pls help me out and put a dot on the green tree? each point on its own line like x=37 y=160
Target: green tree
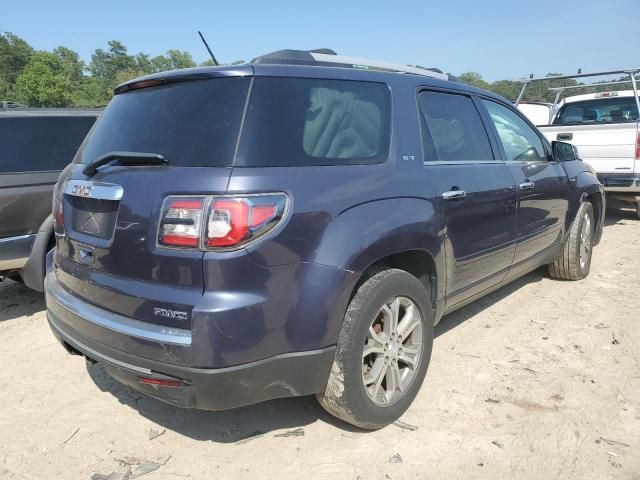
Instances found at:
x=72 y=66
x=43 y=83
x=14 y=57
x=507 y=88
x=105 y=64
x=473 y=78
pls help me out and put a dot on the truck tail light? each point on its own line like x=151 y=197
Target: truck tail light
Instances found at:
x=181 y=222
x=638 y=147
x=231 y=221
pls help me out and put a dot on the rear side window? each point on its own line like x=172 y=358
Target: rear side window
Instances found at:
x=38 y=144
x=194 y=123
x=300 y=121
x=607 y=110
x=452 y=128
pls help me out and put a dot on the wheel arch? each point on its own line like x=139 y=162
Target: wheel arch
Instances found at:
x=395 y=233
x=34 y=270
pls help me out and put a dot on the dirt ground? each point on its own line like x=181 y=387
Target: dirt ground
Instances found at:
x=539 y=380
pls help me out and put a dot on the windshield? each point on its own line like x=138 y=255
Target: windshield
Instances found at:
x=598 y=110
x=193 y=123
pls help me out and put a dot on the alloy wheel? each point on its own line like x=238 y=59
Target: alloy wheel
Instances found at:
x=392 y=351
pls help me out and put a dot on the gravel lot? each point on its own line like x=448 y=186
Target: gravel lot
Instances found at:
x=539 y=380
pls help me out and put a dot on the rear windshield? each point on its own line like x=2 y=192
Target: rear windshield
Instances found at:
x=192 y=123
x=289 y=122
x=47 y=143
x=606 y=110
x=300 y=121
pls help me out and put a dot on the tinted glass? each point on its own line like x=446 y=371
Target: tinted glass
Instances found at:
x=300 y=121
x=32 y=144
x=192 y=123
x=607 y=110
x=452 y=128
x=519 y=141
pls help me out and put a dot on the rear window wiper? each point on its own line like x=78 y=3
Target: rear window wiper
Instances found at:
x=125 y=158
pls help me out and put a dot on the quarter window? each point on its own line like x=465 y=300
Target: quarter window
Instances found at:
x=296 y=122
x=519 y=141
x=452 y=128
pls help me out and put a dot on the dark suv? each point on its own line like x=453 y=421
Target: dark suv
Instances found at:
x=229 y=235
x=35 y=145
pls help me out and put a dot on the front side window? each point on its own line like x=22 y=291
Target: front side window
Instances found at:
x=520 y=142
x=452 y=129
x=306 y=121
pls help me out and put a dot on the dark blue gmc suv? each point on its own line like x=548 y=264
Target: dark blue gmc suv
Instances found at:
x=297 y=226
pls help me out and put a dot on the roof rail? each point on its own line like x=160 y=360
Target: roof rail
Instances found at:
x=587 y=85
x=328 y=58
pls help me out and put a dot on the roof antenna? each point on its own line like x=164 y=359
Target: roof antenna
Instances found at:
x=213 y=57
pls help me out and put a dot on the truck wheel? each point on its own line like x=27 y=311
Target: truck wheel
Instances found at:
x=383 y=351
x=575 y=261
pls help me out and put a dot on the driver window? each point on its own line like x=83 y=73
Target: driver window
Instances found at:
x=520 y=142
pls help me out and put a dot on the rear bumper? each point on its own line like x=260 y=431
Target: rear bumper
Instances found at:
x=620 y=182
x=285 y=375
x=15 y=251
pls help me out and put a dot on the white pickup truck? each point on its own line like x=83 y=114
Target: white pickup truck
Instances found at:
x=604 y=127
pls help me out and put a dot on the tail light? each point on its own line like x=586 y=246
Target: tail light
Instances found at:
x=231 y=221
x=638 y=147
x=181 y=222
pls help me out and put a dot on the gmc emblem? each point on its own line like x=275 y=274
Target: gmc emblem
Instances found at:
x=81 y=190
x=173 y=314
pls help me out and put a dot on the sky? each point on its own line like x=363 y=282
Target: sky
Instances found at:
x=499 y=39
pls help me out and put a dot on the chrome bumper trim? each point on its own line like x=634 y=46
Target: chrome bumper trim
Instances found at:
x=113 y=321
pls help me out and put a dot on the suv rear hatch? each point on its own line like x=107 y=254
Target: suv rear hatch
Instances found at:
x=160 y=136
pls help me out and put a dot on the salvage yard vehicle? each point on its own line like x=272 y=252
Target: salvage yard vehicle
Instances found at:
x=298 y=225
x=605 y=126
x=37 y=144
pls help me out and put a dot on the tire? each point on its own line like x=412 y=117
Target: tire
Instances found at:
x=370 y=317
x=575 y=261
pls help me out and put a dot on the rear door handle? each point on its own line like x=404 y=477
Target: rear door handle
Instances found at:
x=527 y=186
x=565 y=136
x=454 y=195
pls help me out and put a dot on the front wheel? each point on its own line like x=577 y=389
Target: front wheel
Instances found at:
x=575 y=261
x=383 y=351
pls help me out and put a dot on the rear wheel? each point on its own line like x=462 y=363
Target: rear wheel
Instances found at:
x=383 y=351
x=575 y=261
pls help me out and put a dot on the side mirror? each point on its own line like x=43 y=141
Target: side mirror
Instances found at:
x=564 y=152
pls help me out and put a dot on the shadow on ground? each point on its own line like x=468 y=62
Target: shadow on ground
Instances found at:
x=16 y=301
x=467 y=312
x=620 y=215
x=239 y=425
